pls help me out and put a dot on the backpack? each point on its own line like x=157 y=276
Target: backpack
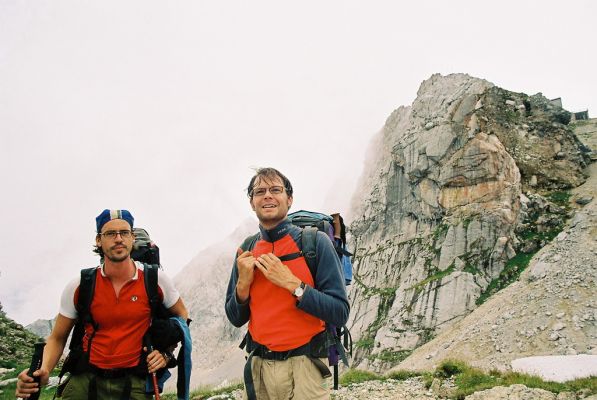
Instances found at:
x=144 y=249
x=334 y=227
x=340 y=339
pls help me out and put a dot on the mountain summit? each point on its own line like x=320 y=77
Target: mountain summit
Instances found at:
x=463 y=188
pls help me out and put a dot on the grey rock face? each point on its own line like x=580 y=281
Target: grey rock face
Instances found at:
x=550 y=310
x=435 y=221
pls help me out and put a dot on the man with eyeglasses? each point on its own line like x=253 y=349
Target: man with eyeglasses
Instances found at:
x=285 y=306
x=121 y=316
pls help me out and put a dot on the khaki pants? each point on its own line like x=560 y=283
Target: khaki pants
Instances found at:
x=77 y=388
x=296 y=378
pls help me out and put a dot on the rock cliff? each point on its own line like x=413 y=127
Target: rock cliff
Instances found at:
x=550 y=310
x=440 y=220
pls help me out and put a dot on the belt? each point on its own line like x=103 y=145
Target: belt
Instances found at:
x=113 y=373
x=267 y=354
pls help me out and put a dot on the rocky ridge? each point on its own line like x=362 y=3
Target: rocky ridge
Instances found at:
x=442 y=213
x=16 y=348
x=41 y=327
x=16 y=343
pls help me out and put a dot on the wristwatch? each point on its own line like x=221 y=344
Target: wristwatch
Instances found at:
x=299 y=291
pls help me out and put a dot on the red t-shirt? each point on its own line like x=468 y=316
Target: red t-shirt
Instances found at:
x=121 y=323
x=275 y=320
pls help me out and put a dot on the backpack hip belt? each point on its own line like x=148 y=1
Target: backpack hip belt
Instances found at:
x=315 y=347
x=117 y=372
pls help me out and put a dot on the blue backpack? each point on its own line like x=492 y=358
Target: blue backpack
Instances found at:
x=334 y=227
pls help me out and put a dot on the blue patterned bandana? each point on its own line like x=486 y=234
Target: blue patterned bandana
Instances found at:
x=109 y=215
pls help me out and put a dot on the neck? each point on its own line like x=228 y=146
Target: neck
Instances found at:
x=120 y=270
x=271 y=223
x=276 y=232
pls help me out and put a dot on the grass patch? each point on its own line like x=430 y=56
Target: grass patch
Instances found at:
x=472 y=380
x=393 y=357
x=509 y=274
x=8 y=364
x=358 y=376
x=369 y=291
x=541 y=237
x=561 y=198
x=365 y=343
x=426 y=334
x=471 y=269
x=440 y=231
x=509 y=115
x=449 y=368
x=403 y=375
x=437 y=276
x=469 y=380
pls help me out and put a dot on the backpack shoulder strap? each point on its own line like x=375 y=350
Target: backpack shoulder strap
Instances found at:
x=249 y=242
x=150 y=274
x=86 y=290
x=83 y=306
x=309 y=248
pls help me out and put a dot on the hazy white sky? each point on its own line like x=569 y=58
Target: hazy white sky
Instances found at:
x=163 y=108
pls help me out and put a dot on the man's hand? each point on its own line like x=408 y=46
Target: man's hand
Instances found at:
x=155 y=361
x=25 y=384
x=245 y=262
x=276 y=272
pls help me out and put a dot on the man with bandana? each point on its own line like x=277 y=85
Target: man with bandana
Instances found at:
x=117 y=365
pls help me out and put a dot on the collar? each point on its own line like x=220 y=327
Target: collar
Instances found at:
x=276 y=233
x=135 y=277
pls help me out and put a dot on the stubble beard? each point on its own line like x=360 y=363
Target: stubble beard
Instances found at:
x=116 y=259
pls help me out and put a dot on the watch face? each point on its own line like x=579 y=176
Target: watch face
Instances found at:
x=298 y=292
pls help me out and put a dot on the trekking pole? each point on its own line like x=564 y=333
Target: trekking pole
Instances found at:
x=154 y=378
x=156 y=389
x=36 y=359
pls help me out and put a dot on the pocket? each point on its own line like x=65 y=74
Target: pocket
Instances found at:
x=308 y=382
x=61 y=389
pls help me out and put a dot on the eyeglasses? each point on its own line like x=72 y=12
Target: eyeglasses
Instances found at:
x=113 y=234
x=273 y=190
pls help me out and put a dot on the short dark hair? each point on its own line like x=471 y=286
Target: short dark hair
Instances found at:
x=269 y=174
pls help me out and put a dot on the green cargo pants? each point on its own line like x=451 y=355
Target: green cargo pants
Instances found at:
x=77 y=388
